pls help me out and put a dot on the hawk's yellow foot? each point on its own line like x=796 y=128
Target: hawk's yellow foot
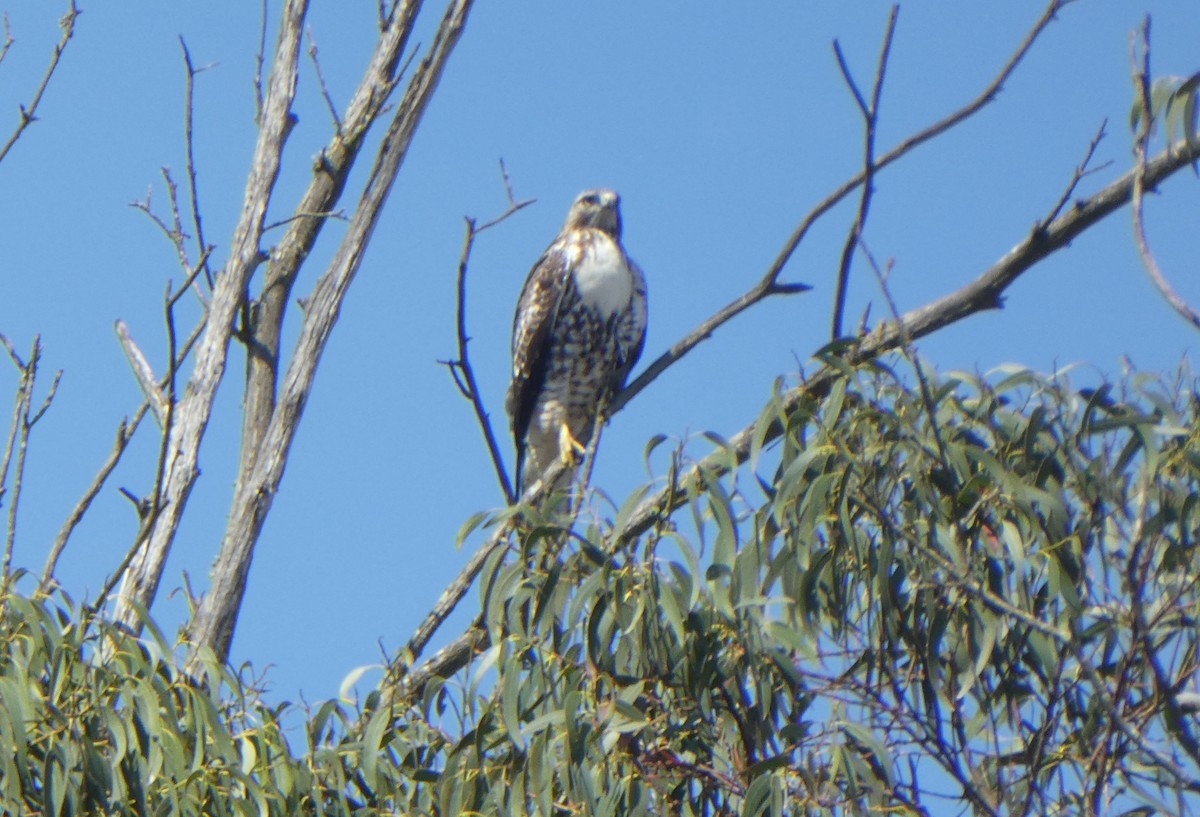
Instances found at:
x=570 y=450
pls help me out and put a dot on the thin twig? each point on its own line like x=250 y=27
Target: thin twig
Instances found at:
x=15 y=445
x=125 y=433
x=870 y=115
x=337 y=215
x=8 y=39
x=312 y=53
x=461 y=369
x=259 y=59
x=188 y=118
x=29 y=112
x=1141 y=79
x=1082 y=170
x=24 y=419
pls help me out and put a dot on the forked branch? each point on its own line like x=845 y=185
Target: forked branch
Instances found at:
x=460 y=367
x=29 y=111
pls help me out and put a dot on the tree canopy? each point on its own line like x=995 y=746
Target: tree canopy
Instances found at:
x=897 y=589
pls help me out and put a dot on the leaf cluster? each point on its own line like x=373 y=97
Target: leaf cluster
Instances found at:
x=974 y=590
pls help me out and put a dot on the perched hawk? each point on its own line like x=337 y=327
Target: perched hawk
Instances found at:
x=579 y=328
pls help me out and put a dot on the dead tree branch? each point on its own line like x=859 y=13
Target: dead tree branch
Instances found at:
x=870 y=115
x=125 y=432
x=215 y=619
x=769 y=284
x=29 y=112
x=23 y=421
x=140 y=582
x=460 y=367
x=202 y=246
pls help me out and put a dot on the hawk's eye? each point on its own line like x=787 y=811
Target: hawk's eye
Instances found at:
x=591 y=199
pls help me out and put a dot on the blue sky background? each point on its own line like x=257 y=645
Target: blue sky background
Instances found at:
x=721 y=125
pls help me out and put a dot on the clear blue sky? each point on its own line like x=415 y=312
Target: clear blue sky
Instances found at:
x=720 y=124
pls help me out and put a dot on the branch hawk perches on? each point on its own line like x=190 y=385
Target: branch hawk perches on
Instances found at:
x=579 y=328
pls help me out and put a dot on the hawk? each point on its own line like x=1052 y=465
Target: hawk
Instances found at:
x=579 y=328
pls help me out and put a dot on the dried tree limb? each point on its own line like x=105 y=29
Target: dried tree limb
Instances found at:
x=193 y=192
x=125 y=432
x=29 y=112
x=24 y=419
x=870 y=115
x=769 y=285
x=142 y=372
x=214 y=622
x=263 y=326
x=140 y=582
x=460 y=368
x=984 y=293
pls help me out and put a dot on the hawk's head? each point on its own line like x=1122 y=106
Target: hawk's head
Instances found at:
x=598 y=208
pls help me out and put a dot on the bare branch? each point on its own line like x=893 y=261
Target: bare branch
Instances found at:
x=1141 y=81
x=259 y=59
x=29 y=112
x=312 y=53
x=189 y=109
x=142 y=372
x=24 y=419
x=769 y=284
x=125 y=433
x=461 y=369
x=983 y=293
x=216 y=617
x=263 y=320
x=8 y=39
x=1082 y=170
x=140 y=583
x=870 y=114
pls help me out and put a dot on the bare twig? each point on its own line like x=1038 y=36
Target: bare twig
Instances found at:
x=337 y=215
x=312 y=53
x=1141 y=81
x=175 y=234
x=259 y=59
x=189 y=110
x=1082 y=170
x=8 y=39
x=460 y=368
x=24 y=419
x=29 y=112
x=769 y=284
x=870 y=115
x=125 y=433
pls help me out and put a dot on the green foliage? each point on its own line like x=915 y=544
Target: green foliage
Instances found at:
x=1172 y=103
x=981 y=590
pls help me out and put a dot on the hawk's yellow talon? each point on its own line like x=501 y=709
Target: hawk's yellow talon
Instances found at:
x=570 y=450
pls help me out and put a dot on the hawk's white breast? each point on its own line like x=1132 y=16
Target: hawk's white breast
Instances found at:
x=602 y=277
